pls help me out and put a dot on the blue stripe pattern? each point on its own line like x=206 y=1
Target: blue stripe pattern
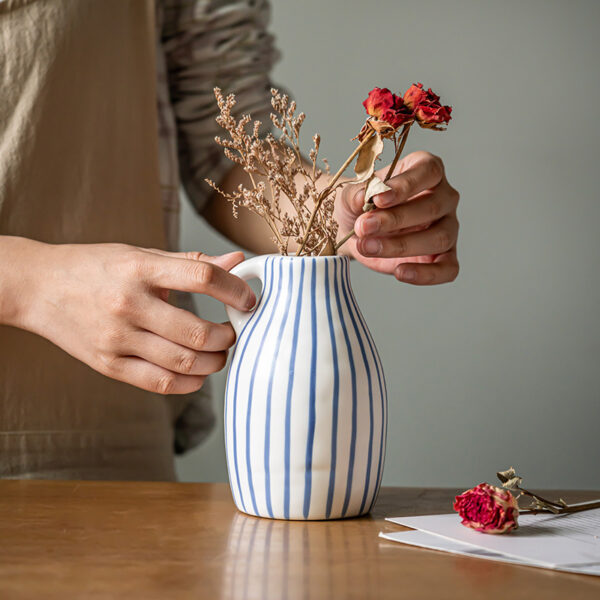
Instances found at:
x=256 y=319
x=313 y=391
x=350 y=476
x=288 y=398
x=284 y=312
x=382 y=394
x=307 y=383
x=350 y=305
x=336 y=392
x=252 y=381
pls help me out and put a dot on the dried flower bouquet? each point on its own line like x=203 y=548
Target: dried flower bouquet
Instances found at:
x=277 y=170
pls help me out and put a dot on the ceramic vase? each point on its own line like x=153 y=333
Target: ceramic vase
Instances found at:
x=305 y=401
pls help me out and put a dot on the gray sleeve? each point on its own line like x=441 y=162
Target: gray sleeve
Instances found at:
x=210 y=43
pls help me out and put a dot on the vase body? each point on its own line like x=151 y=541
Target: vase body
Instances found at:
x=305 y=401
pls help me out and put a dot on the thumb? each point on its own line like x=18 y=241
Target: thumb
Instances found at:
x=353 y=198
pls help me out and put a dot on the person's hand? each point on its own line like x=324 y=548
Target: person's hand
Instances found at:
x=106 y=304
x=413 y=231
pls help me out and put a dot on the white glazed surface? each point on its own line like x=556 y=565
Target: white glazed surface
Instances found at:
x=305 y=403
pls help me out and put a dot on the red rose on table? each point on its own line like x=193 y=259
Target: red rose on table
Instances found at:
x=488 y=509
x=427 y=107
x=388 y=107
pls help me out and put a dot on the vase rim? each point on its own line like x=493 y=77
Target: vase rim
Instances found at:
x=330 y=257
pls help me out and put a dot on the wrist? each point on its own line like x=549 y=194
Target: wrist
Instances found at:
x=20 y=274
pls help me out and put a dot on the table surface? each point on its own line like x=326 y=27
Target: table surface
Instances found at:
x=182 y=540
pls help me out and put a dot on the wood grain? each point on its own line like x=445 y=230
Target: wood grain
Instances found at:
x=176 y=540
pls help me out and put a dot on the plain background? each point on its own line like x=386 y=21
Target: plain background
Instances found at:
x=501 y=367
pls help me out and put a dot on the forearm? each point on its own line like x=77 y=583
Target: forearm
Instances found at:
x=249 y=230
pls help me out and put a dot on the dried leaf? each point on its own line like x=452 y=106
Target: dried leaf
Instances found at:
x=374 y=187
x=365 y=162
x=328 y=249
x=512 y=484
x=509 y=478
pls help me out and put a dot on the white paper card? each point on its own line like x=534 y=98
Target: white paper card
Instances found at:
x=569 y=541
x=435 y=542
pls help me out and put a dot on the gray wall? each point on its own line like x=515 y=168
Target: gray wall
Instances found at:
x=501 y=367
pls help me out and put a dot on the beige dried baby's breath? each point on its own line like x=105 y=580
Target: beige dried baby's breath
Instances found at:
x=277 y=162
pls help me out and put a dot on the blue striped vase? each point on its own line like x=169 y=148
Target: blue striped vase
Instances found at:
x=305 y=403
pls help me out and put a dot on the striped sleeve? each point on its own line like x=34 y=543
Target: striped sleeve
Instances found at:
x=210 y=43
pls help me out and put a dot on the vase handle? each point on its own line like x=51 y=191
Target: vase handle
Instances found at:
x=253 y=268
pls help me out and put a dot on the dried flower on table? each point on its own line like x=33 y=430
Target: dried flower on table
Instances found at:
x=488 y=509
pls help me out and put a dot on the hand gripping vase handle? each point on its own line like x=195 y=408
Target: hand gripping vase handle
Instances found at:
x=253 y=268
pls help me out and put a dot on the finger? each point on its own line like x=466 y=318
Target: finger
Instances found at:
x=153 y=378
x=423 y=175
x=427 y=208
x=444 y=269
x=437 y=239
x=171 y=356
x=353 y=198
x=200 y=276
x=225 y=261
x=184 y=328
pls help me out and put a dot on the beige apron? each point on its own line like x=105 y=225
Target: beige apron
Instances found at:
x=78 y=164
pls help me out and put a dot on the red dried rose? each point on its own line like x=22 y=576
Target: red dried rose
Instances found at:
x=488 y=509
x=414 y=95
x=427 y=107
x=388 y=107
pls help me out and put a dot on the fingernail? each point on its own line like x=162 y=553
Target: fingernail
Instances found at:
x=372 y=247
x=384 y=199
x=407 y=274
x=370 y=225
x=250 y=302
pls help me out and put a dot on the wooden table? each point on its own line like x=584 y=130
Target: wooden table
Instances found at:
x=176 y=540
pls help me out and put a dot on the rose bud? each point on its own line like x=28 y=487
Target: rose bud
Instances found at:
x=385 y=106
x=431 y=116
x=378 y=101
x=428 y=110
x=488 y=509
x=414 y=95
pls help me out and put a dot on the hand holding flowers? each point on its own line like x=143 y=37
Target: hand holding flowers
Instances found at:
x=411 y=226
x=413 y=231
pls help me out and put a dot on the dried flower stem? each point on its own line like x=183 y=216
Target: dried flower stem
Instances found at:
x=511 y=481
x=327 y=190
x=560 y=511
x=344 y=239
x=399 y=150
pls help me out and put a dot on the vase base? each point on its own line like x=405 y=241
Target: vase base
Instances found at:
x=317 y=517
